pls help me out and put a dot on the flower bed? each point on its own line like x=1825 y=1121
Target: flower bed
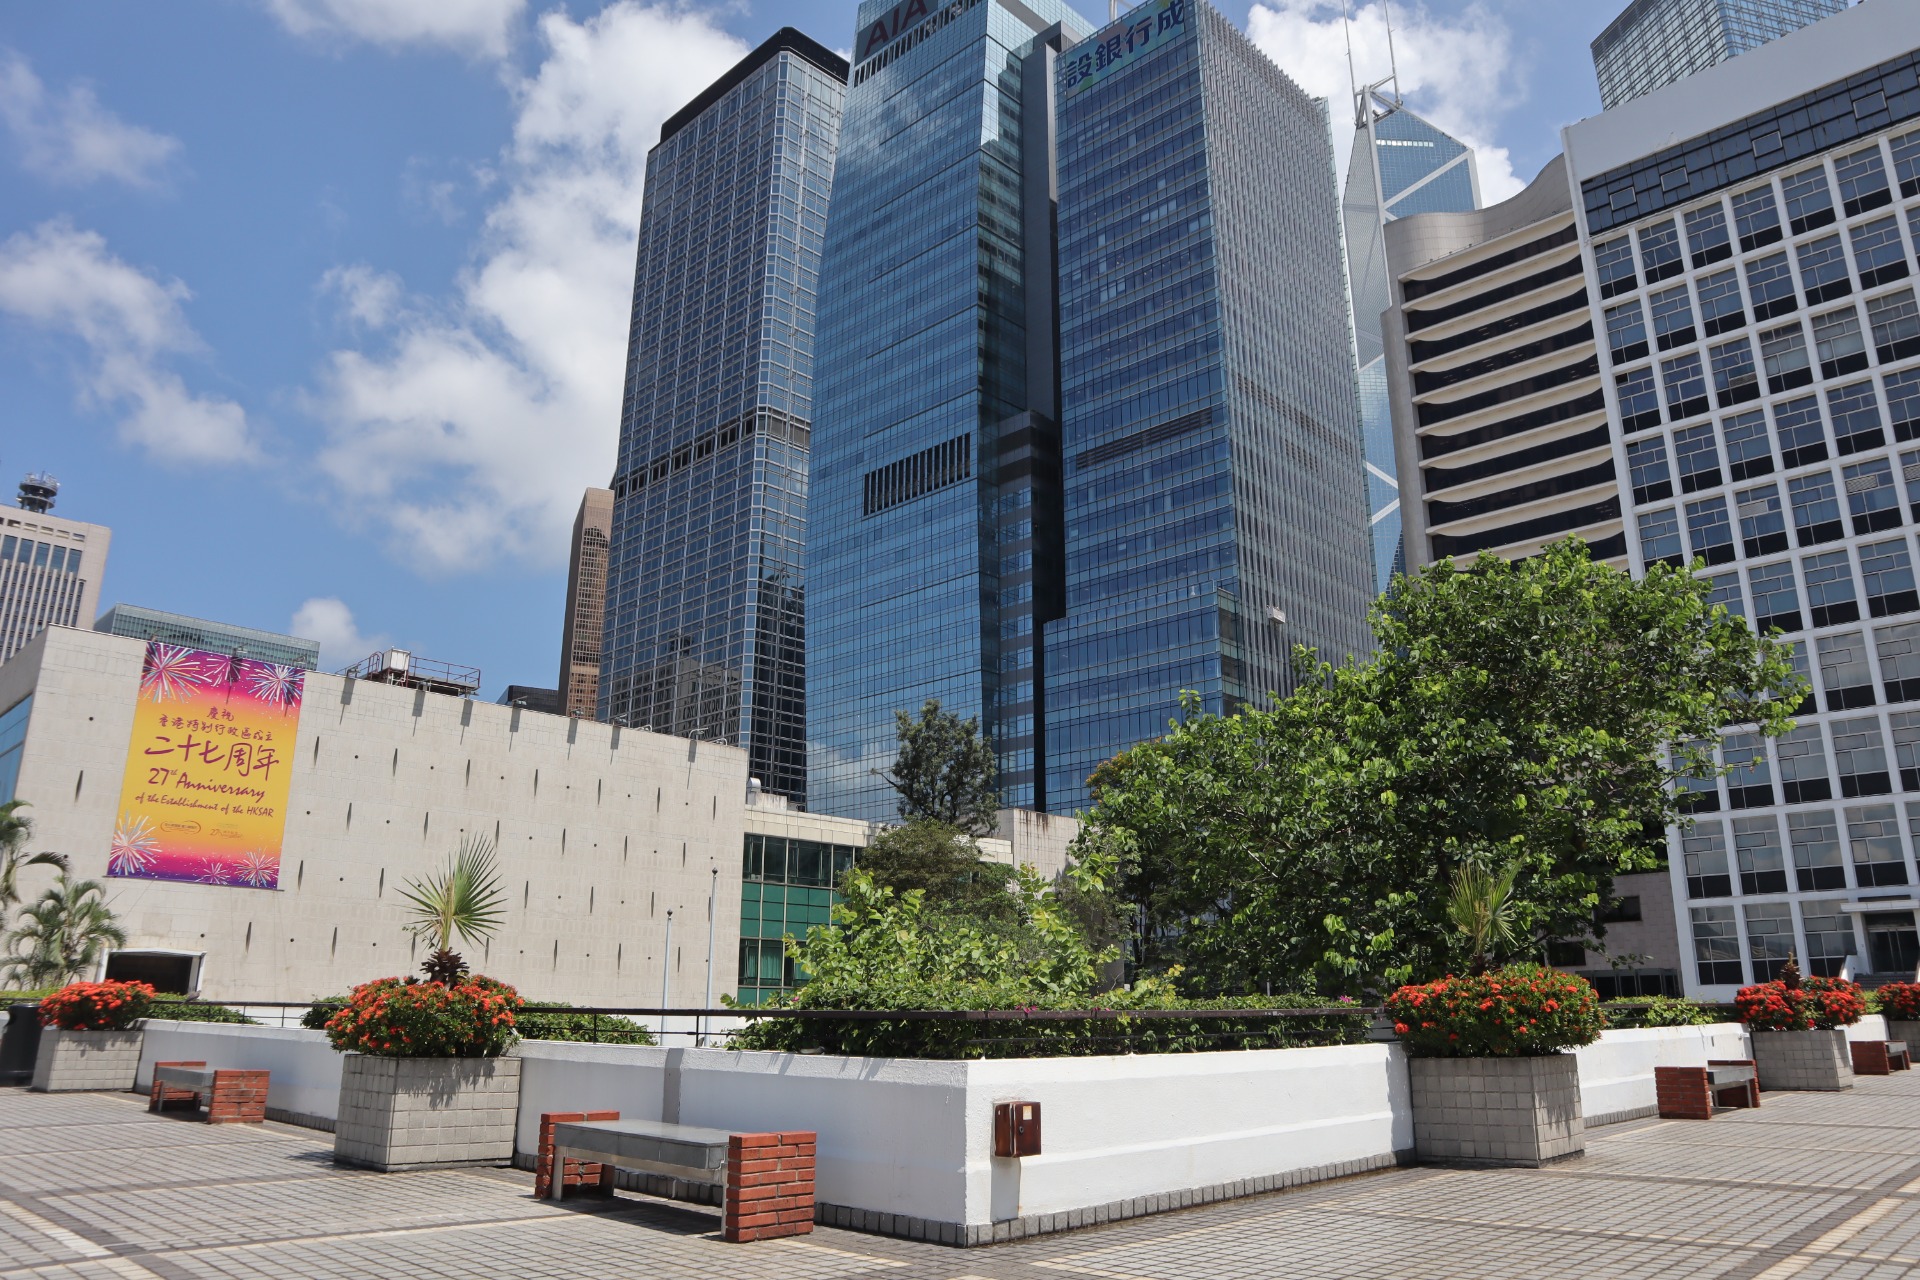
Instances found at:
x=1900 y=1001
x=404 y=1018
x=96 y=1006
x=1816 y=1004
x=1519 y=1011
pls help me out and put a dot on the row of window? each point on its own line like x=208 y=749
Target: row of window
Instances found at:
x=1873 y=504
x=1826 y=939
x=1821 y=851
x=39 y=555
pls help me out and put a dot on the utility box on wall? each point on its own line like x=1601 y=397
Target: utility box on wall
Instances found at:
x=1016 y=1129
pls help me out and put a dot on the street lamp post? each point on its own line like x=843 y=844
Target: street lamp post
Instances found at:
x=666 y=973
x=713 y=892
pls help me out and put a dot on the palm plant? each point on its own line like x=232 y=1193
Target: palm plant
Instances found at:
x=465 y=901
x=1481 y=907
x=60 y=937
x=15 y=830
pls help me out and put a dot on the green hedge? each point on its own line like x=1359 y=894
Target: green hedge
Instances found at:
x=533 y=1024
x=199 y=1011
x=1664 y=1011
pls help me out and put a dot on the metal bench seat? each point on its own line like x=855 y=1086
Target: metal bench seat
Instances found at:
x=1719 y=1078
x=194 y=1078
x=681 y=1151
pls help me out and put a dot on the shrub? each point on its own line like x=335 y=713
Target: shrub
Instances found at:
x=96 y=1006
x=1822 y=1003
x=1900 y=1000
x=405 y=1018
x=553 y=1021
x=315 y=1018
x=199 y=1011
x=1516 y=1012
x=1836 y=1002
x=1662 y=1011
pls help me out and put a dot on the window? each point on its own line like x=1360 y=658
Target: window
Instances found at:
x=1672 y=318
x=1757 y=218
x=1696 y=792
x=1707 y=239
x=1856 y=418
x=1809 y=201
x=1896 y=326
x=1735 y=380
x=1815 y=840
x=1770 y=284
x=1716 y=947
x=1816 y=509
x=1803 y=766
x=1860 y=756
x=1823 y=270
x=1863 y=181
x=1763 y=521
x=1904 y=728
x=13 y=738
x=1785 y=352
x=1699 y=458
x=1887 y=571
x=1830 y=594
x=1903 y=403
x=1639 y=401
x=1878 y=253
x=1776 y=600
x=1705 y=850
x=1626 y=332
x=1749 y=777
x=1838 y=343
x=1906 y=162
x=1899 y=649
x=1613 y=263
x=1749 y=452
x=1622 y=910
x=1910 y=477
x=1660 y=538
x=1726 y=593
x=1803 y=668
x=1873 y=838
x=1872 y=501
x=1686 y=386
x=1647 y=462
x=1709 y=531
x=1846 y=671
x=1769 y=937
x=1720 y=305
x=1829 y=931
x=1660 y=251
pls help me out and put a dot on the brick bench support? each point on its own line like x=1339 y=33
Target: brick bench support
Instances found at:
x=230 y=1097
x=769 y=1185
x=1878 y=1058
x=573 y=1173
x=1687 y=1093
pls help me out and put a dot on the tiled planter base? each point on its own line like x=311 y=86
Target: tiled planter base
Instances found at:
x=1803 y=1060
x=71 y=1061
x=426 y=1113
x=1906 y=1032
x=1517 y=1112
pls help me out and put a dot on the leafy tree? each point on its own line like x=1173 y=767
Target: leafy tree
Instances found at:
x=60 y=937
x=944 y=865
x=1533 y=712
x=465 y=900
x=946 y=771
x=15 y=830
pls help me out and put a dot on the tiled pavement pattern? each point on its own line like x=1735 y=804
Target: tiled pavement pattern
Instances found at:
x=1809 y=1187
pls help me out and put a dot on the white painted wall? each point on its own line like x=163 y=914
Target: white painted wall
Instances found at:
x=1616 y=1072
x=306 y=1070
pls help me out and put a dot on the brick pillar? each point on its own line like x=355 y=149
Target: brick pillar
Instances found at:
x=576 y=1173
x=1682 y=1093
x=1870 y=1058
x=1739 y=1095
x=237 y=1097
x=162 y=1094
x=769 y=1186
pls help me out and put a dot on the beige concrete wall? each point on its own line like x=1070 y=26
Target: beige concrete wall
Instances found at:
x=601 y=831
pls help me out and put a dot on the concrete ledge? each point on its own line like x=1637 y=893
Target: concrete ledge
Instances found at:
x=1621 y=1117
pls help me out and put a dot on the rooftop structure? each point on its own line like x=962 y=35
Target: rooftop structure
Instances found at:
x=138 y=623
x=402 y=667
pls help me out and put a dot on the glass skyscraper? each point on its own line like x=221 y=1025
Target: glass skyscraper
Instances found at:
x=1214 y=511
x=936 y=385
x=1401 y=165
x=1656 y=42
x=705 y=618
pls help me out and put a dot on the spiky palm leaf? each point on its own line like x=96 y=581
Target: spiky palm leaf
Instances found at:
x=15 y=830
x=1481 y=906
x=464 y=901
x=60 y=937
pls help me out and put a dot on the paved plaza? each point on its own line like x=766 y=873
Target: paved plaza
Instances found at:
x=1810 y=1186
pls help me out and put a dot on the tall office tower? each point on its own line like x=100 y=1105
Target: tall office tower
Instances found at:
x=706 y=615
x=1210 y=434
x=585 y=627
x=1400 y=165
x=936 y=393
x=50 y=567
x=1498 y=416
x=1653 y=43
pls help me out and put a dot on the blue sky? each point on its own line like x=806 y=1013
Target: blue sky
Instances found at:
x=321 y=304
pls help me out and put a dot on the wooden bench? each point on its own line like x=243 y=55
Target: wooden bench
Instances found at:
x=1880 y=1057
x=230 y=1097
x=1692 y=1093
x=768 y=1177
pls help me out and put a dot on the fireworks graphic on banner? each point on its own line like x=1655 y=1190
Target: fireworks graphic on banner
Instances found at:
x=173 y=673
x=134 y=847
x=258 y=870
x=215 y=873
x=273 y=683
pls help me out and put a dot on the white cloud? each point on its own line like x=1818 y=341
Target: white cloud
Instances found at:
x=1457 y=70
x=328 y=620
x=475 y=27
x=369 y=297
x=70 y=137
x=63 y=280
x=473 y=426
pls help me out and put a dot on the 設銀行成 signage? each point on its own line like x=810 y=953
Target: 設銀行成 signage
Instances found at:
x=1137 y=33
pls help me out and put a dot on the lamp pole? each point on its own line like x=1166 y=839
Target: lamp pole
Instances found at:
x=713 y=892
x=666 y=972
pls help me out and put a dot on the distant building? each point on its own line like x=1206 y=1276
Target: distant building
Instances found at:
x=137 y=623
x=526 y=696
x=1653 y=43
x=582 y=636
x=50 y=567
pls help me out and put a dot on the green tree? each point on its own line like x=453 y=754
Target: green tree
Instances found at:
x=464 y=901
x=945 y=771
x=16 y=828
x=1533 y=712
x=944 y=865
x=61 y=936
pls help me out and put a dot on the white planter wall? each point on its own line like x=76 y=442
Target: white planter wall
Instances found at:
x=305 y=1083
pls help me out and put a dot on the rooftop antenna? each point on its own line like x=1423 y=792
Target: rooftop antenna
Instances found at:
x=37 y=492
x=1370 y=105
x=1114 y=7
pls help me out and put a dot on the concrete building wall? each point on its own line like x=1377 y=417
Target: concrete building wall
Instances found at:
x=601 y=831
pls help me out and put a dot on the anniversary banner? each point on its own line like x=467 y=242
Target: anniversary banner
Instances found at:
x=205 y=793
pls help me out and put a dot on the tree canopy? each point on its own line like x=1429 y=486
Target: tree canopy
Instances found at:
x=1532 y=712
x=944 y=864
x=946 y=771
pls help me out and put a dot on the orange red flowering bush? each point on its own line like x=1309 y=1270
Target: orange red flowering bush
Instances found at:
x=1900 y=1001
x=1516 y=1012
x=96 y=1006
x=407 y=1018
x=1817 y=1003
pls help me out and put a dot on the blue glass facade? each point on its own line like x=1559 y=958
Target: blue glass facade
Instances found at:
x=1210 y=432
x=924 y=387
x=705 y=616
x=1653 y=43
